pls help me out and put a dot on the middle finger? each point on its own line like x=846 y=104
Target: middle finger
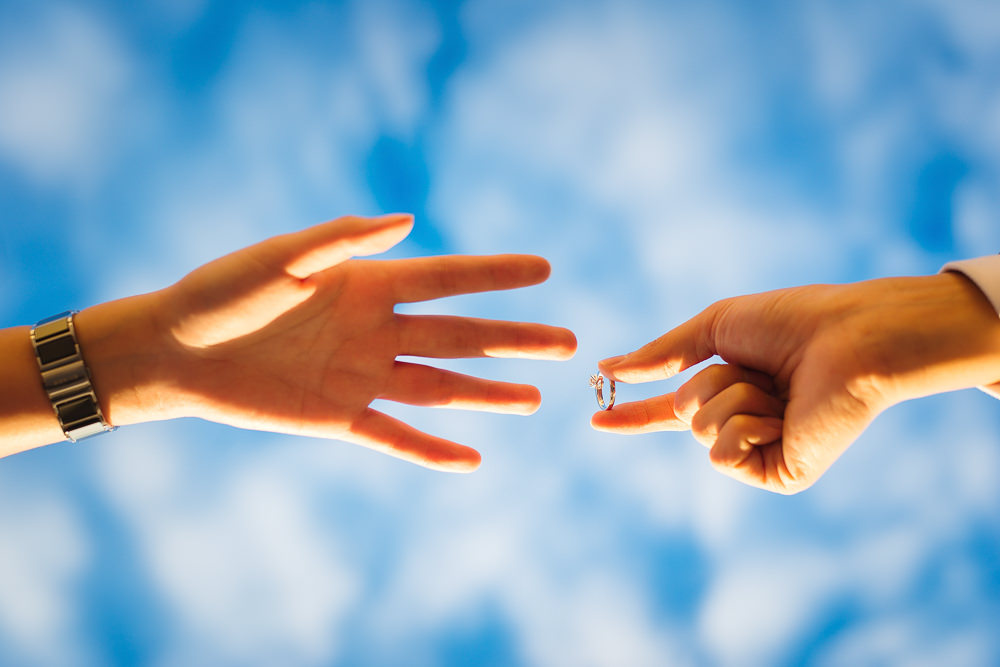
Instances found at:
x=448 y=337
x=711 y=381
x=416 y=384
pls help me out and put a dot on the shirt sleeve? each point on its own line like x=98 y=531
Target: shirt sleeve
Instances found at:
x=985 y=273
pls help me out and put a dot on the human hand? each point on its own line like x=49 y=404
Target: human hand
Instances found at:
x=292 y=336
x=807 y=369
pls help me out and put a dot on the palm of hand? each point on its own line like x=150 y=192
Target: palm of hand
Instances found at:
x=308 y=357
x=286 y=336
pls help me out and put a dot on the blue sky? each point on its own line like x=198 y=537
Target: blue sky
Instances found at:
x=662 y=156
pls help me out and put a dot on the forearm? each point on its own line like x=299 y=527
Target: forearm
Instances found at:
x=27 y=419
x=933 y=334
x=128 y=365
x=976 y=360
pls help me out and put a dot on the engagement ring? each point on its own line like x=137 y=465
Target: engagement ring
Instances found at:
x=597 y=382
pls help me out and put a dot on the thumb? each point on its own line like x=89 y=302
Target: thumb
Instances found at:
x=323 y=246
x=678 y=349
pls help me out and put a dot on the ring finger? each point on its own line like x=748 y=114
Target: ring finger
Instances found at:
x=416 y=384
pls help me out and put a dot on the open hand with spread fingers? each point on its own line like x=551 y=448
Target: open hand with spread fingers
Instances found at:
x=292 y=335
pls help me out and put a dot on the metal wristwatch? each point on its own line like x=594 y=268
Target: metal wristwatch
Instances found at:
x=65 y=377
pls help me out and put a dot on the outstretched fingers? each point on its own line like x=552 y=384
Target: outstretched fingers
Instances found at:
x=442 y=336
x=427 y=278
x=384 y=434
x=416 y=384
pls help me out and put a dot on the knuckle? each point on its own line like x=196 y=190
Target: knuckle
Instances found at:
x=685 y=401
x=747 y=394
x=718 y=315
x=718 y=457
x=702 y=440
x=741 y=424
x=717 y=371
x=758 y=379
x=703 y=428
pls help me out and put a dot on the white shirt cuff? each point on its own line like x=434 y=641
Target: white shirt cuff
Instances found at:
x=984 y=272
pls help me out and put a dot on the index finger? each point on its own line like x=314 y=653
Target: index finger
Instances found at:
x=679 y=349
x=426 y=278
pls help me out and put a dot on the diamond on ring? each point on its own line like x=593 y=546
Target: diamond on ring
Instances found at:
x=597 y=382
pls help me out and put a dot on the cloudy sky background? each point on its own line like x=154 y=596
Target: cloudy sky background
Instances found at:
x=662 y=156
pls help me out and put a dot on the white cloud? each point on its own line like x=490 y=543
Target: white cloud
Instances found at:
x=510 y=540
x=883 y=640
x=243 y=567
x=43 y=556
x=977 y=219
x=179 y=14
x=598 y=619
x=251 y=580
x=591 y=135
x=63 y=78
x=971 y=24
x=288 y=135
x=912 y=638
x=395 y=43
x=761 y=604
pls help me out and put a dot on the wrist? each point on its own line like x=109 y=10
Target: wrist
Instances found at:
x=984 y=272
x=132 y=365
x=935 y=334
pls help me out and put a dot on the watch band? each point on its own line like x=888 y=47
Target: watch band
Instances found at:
x=66 y=378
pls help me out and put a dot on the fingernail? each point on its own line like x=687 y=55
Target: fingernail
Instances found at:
x=391 y=217
x=611 y=362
